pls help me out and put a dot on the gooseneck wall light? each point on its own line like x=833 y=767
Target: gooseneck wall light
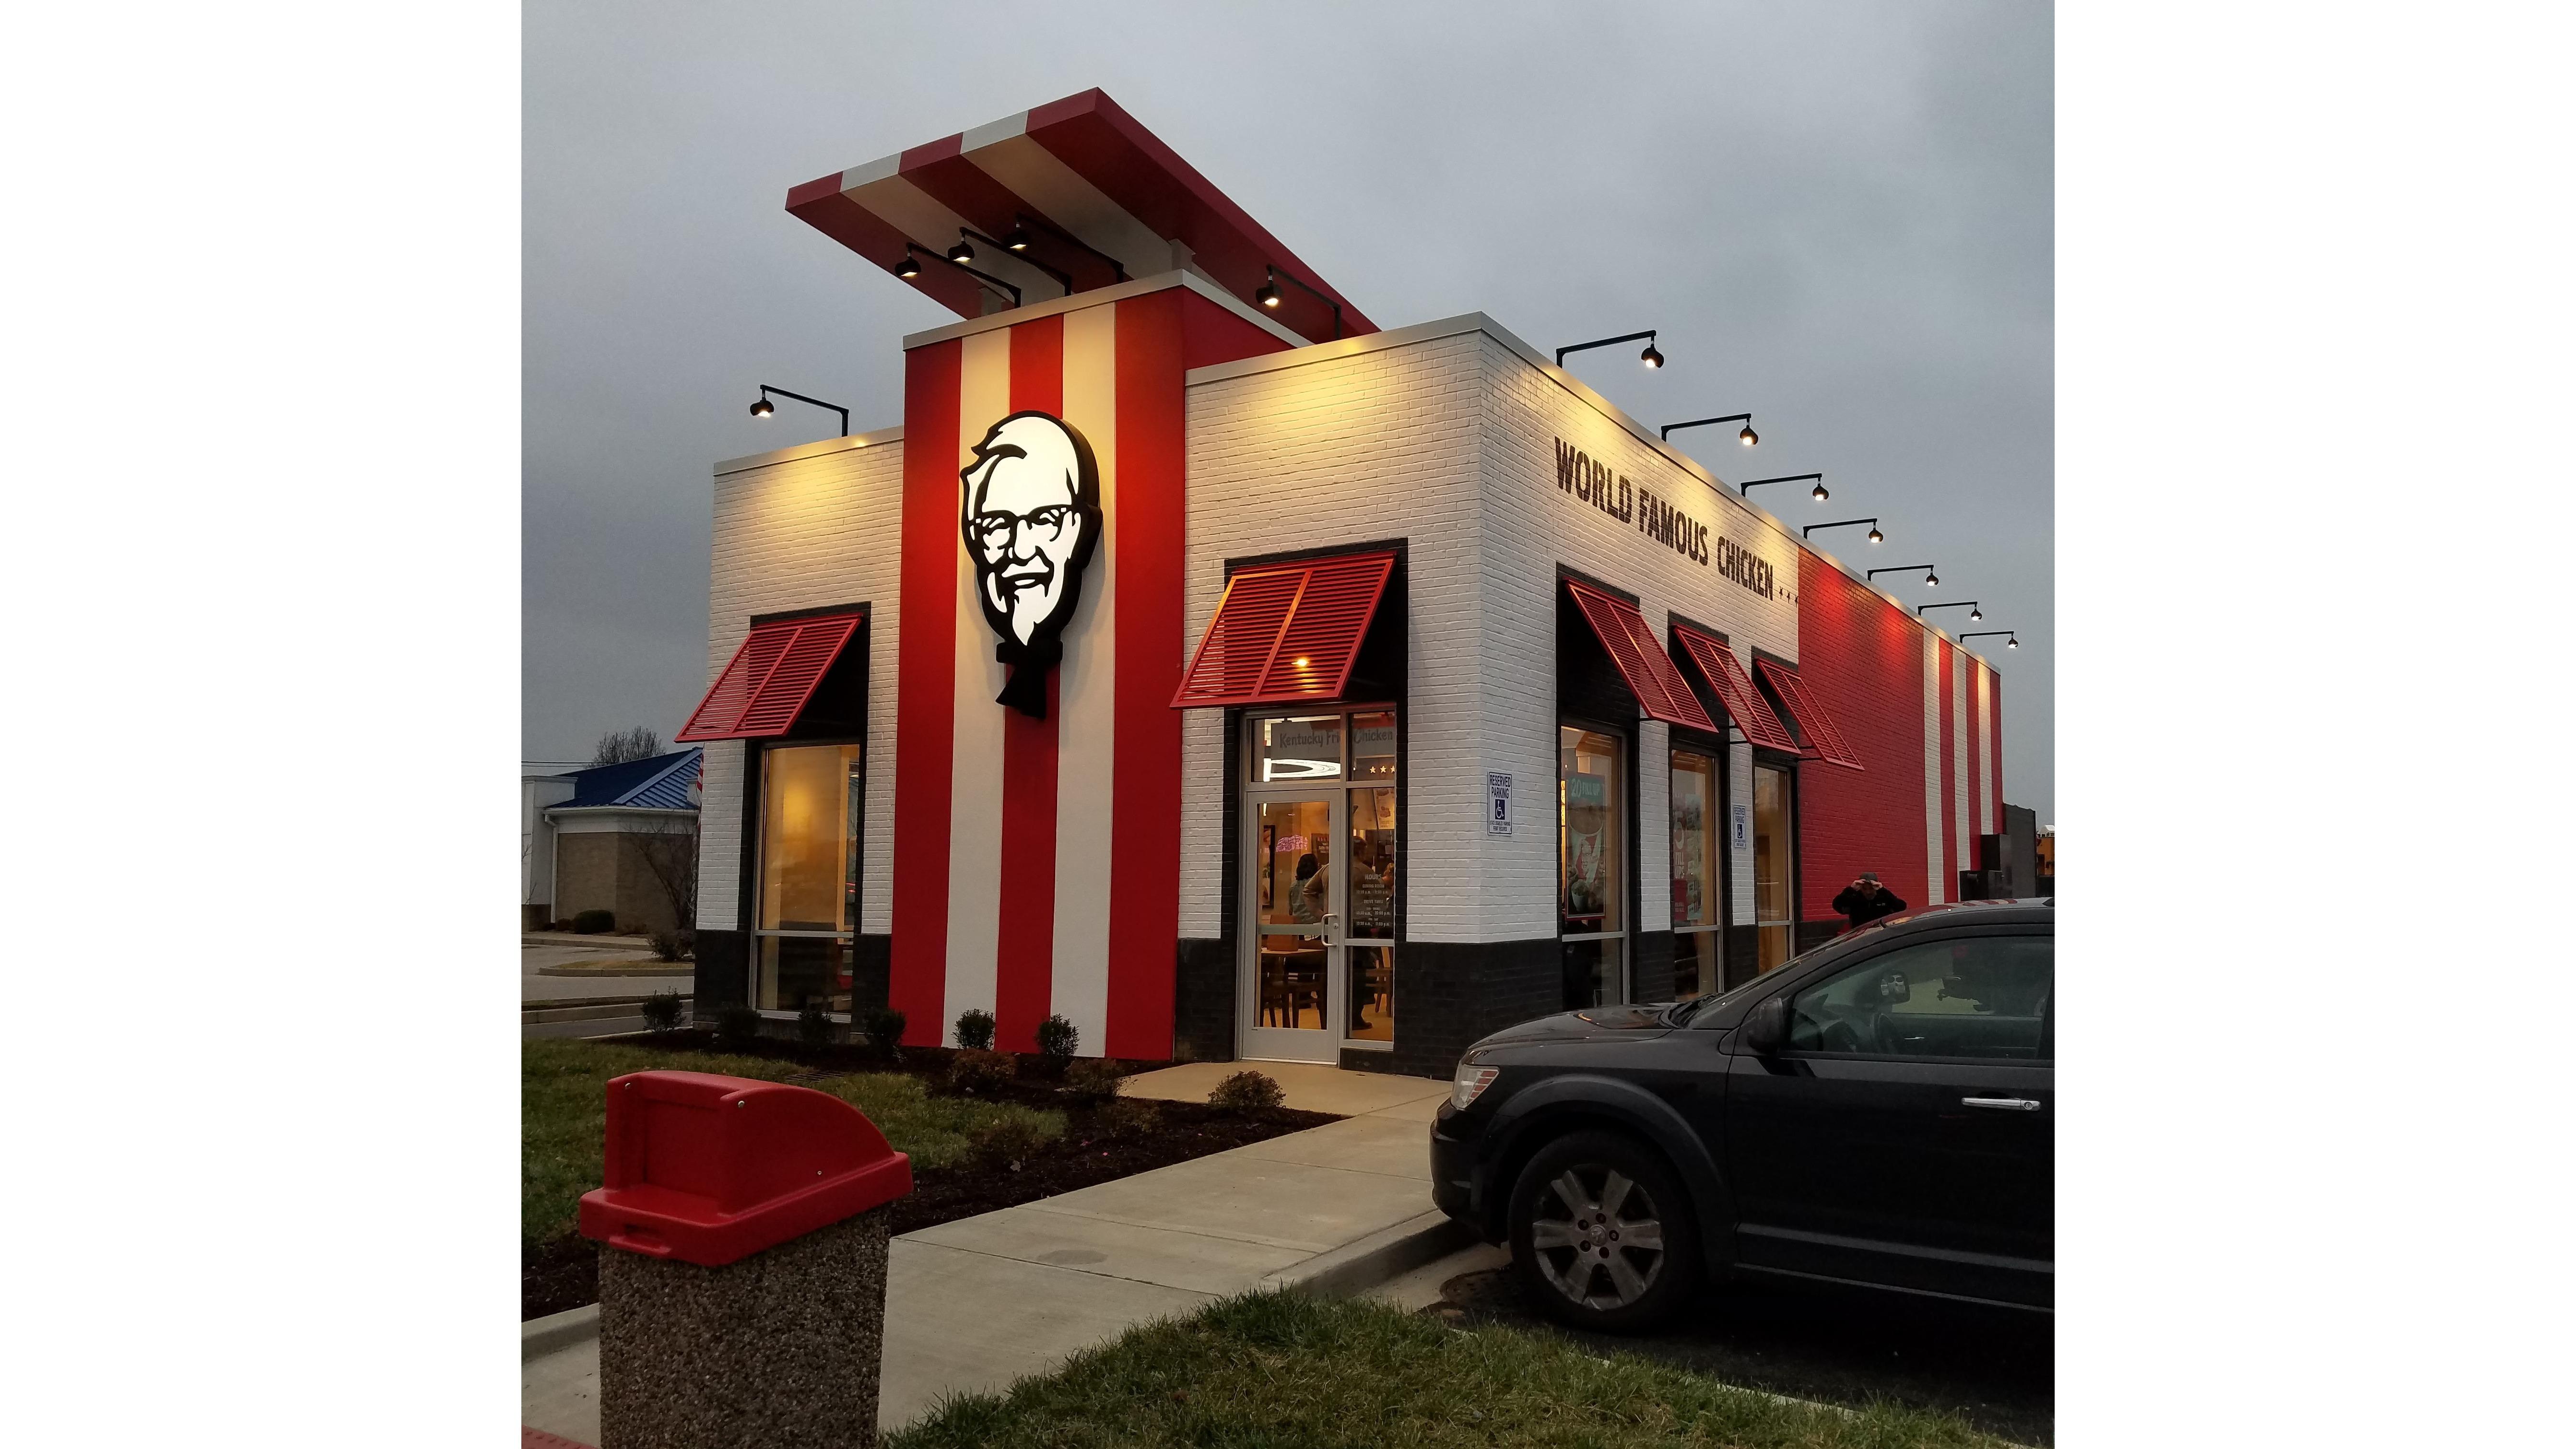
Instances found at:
x=1818 y=493
x=910 y=267
x=1748 y=437
x=2012 y=639
x=1268 y=296
x=1650 y=356
x=765 y=407
x=1974 y=613
x=1063 y=278
x=1931 y=580
x=1019 y=240
x=1874 y=535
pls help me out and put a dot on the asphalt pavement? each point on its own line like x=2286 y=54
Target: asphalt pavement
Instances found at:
x=538 y=992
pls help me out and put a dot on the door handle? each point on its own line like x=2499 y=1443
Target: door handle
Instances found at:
x=2001 y=1104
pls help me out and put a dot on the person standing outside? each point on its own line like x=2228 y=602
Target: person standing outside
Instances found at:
x=1865 y=900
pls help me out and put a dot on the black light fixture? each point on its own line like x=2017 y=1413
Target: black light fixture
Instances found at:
x=1748 y=437
x=1021 y=237
x=1874 y=535
x=2012 y=638
x=1818 y=493
x=1974 y=613
x=1650 y=356
x=765 y=407
x=1268 y=296
x=965 y=234
x=912 y=268
x=1931 y=580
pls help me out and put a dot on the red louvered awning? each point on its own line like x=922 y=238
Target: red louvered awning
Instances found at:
x=1824 y=738
x=1658 y=686
x=770 y=677
x=1286 y=633
x=1734 y=690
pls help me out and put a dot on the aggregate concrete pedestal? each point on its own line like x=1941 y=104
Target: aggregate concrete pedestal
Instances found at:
x=780 y=1350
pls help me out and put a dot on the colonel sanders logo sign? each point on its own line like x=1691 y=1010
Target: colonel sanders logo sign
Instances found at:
x=1030 y=511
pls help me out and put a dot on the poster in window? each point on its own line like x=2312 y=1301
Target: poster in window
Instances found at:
x=1587 y=811
x=1269 y=854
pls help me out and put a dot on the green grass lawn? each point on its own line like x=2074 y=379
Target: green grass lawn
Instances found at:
x=1285 y=1369
x=563 y=1117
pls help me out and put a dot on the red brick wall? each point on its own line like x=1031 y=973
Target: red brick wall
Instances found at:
x=1863 y=658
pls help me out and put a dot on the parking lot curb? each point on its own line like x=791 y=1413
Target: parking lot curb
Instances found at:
x=557 y=1331
x=1381 y=1256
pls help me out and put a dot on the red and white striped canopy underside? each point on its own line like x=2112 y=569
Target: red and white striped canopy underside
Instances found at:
x=1082 y=167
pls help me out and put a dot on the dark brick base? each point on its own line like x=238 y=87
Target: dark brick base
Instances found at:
x=1651 y=978
x=1743 y=955
x=724 y=972
x=871 y=975
x=1450 y=993
x=1203 y=1001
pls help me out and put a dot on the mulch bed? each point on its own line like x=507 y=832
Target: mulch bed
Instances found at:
x=564 y=1273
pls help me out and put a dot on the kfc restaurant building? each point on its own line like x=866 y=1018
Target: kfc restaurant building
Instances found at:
x=1235 y=678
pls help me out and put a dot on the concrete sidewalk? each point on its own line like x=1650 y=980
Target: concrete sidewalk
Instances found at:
x=975 y=1304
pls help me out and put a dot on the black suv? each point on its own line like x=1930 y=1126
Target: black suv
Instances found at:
x=1875 y=1111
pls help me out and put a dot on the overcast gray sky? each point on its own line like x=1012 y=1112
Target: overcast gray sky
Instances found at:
x=1839 y=215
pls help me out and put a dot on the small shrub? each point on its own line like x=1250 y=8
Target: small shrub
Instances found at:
x=883 y=1028
x=1129 y=1117
x=737 y=1027
x=1245 y=1092
x=815 y=1027
x=672 y=945
x=1093 y=1079
x=975 y=1030
x=973 y=1070
x=662 y=1011
x=1008 y=1143
x=594 y=922
x=1058 y=1038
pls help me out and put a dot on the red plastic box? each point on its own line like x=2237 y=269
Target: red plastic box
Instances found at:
x=708 y=1169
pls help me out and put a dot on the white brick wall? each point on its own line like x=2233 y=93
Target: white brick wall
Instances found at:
x=1444 y=436
x=803 y=533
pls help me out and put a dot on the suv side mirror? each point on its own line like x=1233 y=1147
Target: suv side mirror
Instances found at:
x=1766 y=1027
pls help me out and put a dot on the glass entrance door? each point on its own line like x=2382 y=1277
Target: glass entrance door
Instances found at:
x=1295 y=971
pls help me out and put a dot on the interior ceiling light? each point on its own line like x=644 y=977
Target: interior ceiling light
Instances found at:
x=961 y=253
x=910 y=266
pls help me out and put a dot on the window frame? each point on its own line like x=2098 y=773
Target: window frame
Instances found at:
x=756 y=818
x=1912 y=941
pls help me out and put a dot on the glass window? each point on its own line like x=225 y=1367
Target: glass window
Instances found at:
x=1978 y=997
x=1695 y=874
x=810 y=799
x=1297 y=749
x=1774 y=856
x=1373 y=749
x=1372 y=865
x=1591 y=858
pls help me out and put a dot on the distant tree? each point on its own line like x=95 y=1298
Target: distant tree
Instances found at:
x=619 y=746
x=668 y=848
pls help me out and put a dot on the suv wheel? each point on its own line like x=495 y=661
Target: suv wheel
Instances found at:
x=1601 y=1235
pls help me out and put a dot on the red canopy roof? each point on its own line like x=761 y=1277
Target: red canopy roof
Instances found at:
x=1098 y=197
x=1734 y=689
x=770 y=677
x=1640 y=656
x=1286 y=633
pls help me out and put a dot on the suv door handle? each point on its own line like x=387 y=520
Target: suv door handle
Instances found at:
x=2001 y=1104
